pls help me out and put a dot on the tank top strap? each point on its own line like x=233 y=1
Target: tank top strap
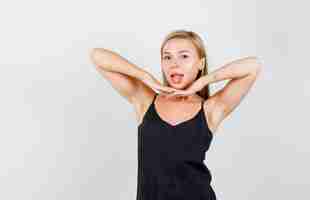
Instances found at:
x=154 y=97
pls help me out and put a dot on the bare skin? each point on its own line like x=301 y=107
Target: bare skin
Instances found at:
x=139 y=87
x=178 y=110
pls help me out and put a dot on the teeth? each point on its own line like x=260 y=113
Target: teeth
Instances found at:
x=176 y=78
x=176 y=74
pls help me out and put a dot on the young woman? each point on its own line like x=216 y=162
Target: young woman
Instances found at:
x=177 y=119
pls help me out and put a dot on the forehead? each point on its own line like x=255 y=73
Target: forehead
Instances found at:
x=178 y=46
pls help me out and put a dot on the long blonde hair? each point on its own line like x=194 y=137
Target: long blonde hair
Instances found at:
x=200 y=47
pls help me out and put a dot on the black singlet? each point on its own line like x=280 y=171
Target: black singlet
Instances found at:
x=170 y=158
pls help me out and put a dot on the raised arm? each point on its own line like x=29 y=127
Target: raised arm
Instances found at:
x=135 y=84
x=124 y=76
x=243 y=73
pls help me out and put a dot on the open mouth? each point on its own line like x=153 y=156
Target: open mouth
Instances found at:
x=176 y=77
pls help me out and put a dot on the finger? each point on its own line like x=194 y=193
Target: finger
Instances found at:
x=179 y=93
x=168 y=94
x=159 y=91
x=173 y=95
x=164 y=91
x=169 y=89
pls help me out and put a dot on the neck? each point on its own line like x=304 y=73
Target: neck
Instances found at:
x=191 y=97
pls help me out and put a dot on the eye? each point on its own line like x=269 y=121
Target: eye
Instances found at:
x=185 y=56
x=166 y=57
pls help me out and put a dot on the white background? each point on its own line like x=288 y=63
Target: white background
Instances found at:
x=66 y=134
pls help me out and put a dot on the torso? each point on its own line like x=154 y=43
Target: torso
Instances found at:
x=176 y=112
x=171 y=153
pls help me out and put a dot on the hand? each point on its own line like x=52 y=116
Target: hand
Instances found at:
x=196 y=86
x=155 y=85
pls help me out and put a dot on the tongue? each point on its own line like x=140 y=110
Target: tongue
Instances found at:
x=177 y=78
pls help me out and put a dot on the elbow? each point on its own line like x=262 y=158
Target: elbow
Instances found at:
x=256 y=65
x=93 y=54
x=97 y=56
x=256 y=70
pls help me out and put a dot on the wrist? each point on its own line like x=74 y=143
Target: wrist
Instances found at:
x=144 y=75
x=206 y=79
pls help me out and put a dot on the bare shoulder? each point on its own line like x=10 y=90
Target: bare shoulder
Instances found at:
x=141 y=101
x=213 y=113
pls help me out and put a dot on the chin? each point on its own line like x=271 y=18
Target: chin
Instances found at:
x=178 y=86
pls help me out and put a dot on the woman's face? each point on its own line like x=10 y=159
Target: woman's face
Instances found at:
x=180 y=63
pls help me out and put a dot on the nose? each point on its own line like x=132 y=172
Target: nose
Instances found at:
x=174 y=63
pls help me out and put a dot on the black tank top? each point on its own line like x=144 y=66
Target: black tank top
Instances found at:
x=170 y=158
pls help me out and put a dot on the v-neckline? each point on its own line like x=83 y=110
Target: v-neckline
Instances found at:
x=179 y=123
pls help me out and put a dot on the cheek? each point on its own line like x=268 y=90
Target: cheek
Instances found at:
x=191 y=75
x=189 y=70
x=188 y=63
x=188 y=78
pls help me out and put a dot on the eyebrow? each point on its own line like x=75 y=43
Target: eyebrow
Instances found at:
x=179 y=51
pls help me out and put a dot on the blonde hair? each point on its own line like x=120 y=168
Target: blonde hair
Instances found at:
x=200 y=47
